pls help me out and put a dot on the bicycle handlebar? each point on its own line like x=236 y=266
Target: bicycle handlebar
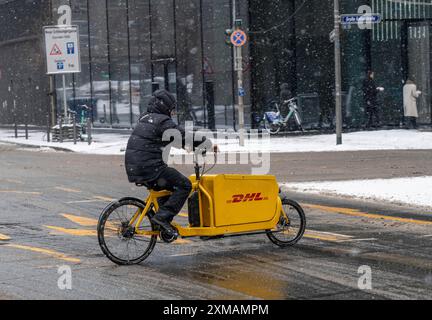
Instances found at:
x=291 y=100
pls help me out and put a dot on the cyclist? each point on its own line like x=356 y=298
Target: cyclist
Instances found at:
x=144 y=162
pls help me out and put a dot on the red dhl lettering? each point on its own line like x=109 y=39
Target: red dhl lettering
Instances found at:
x=247 y=198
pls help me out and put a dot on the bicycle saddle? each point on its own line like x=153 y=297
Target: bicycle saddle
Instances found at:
x=151 y=186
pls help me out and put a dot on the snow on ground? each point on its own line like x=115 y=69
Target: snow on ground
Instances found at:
x=108 y=144
x=112 y=144
x=409 y=191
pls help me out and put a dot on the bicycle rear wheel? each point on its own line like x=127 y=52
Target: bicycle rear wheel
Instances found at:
x=291 y=225
x=117 y=235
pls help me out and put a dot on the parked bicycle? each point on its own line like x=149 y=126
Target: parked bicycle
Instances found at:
x=274 y=121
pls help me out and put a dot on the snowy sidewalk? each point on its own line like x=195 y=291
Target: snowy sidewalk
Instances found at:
x=402 y=191
x=115 y=144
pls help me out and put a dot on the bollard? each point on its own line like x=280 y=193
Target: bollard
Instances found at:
x=210 y=99
x=15 y=126
x=74 y=128
x=155 y=86
x=26 y=126
x=61 y=130
x=89 y=133
x=48 y=128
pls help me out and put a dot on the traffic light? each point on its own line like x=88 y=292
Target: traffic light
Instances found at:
x=228 y=33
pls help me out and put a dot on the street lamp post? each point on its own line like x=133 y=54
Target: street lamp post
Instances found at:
x=338 y=73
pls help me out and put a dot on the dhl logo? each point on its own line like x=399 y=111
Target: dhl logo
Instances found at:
x=247 y=197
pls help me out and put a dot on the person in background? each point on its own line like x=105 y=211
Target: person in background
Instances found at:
x=410 y=96
x=370 y=93
x=285 y=94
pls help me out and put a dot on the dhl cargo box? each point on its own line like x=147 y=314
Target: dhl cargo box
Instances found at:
x=239 y=199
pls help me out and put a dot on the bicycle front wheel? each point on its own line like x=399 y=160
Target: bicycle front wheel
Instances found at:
x=291 y=225
x=117 y=233
x=273 y=129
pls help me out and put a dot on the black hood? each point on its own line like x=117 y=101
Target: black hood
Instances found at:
x=284 y=86
x=162 y=102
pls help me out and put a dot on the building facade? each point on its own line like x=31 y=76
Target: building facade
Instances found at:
x=131 y=47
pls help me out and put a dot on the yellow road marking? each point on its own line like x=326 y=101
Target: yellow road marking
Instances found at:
x=21 y=192
x=358 y=213
x=182 y=241
x=4 y=237
x=74 y=232
x=47 y=252
x=85 y=222
x=68 y=190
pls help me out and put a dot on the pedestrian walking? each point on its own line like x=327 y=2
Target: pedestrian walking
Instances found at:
x=410 y=96
x=370 y=95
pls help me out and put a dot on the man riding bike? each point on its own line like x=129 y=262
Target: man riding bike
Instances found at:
x=144 y=162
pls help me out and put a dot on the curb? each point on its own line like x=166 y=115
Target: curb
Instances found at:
x=37 y=147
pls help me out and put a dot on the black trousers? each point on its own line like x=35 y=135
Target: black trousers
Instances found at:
x=373 y=117
x=411 y=122
x=180 y=186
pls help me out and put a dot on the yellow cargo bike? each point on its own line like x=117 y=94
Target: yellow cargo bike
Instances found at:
x=219 y=206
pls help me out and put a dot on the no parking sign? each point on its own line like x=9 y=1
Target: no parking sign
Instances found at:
x=239 y=38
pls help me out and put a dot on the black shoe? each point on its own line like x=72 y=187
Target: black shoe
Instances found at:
x=163 y=223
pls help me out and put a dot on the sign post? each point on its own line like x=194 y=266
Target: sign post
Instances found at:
x=238 y=40
x=338 y=73
x=62 y=53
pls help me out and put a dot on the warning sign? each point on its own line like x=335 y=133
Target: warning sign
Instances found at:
x=55 y=51
x=62 y=49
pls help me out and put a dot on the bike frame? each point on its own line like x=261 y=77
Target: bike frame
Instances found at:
x=207 y=231
x=290 y=113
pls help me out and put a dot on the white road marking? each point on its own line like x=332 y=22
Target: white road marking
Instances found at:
x=355 y=240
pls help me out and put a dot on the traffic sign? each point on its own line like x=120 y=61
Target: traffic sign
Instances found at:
x=55 y=51
x=348 y=19
x=62 y=49
x=241 y=92
x=238 y=38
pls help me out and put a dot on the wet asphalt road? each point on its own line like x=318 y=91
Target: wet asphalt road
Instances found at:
x=50 y=202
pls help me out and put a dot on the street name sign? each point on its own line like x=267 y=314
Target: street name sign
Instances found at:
x=62 y=49
x=360 y=18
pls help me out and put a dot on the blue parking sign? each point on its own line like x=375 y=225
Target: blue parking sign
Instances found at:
x=70 y=46
x=241 y=92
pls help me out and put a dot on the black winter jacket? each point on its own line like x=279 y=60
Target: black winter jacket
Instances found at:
x=143 y=160
x=370 y=93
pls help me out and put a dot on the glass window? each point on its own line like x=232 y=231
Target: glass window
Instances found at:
x=218 y=59
x=189 y=62
x=100 y=63
x=140 y=38
x=119 y=63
